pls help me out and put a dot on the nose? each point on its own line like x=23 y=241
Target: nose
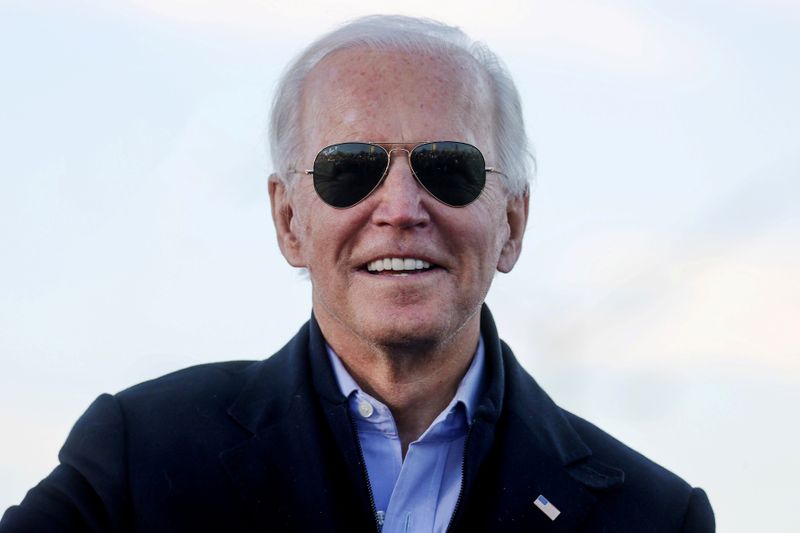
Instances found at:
x=400 y=197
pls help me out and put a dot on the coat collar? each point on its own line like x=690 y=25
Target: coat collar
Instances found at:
x=285 y=467
x=521 y=445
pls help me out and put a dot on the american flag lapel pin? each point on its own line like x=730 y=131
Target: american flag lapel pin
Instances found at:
x=546 y=507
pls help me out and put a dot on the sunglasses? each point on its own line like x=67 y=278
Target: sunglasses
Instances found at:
x=452 y=172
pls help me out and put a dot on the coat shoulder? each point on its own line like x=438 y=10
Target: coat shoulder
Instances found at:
x=195 y=382
x=611 y=451
x=630 y=488
x=649 y=488
x=220 y=382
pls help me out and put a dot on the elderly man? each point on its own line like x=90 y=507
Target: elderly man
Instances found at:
x=401 y=186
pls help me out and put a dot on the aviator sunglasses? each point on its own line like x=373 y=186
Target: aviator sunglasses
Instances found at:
x=452 y=172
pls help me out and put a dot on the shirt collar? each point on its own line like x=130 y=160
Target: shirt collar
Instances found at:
x=467 y=393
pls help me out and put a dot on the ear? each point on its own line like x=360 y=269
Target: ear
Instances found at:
x=283 y=216
x=517 y=218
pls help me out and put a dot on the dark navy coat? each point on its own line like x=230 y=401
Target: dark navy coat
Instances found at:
x=269 y=446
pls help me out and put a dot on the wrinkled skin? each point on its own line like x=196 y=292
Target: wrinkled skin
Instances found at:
x=390 y=96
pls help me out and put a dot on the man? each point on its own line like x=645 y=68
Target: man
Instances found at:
x=401 y=186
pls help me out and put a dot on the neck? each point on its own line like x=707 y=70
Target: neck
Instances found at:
x=415 y=381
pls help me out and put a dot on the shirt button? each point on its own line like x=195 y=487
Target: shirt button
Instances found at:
x=365 y=409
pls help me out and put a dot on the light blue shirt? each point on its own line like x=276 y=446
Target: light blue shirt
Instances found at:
x=418 y=494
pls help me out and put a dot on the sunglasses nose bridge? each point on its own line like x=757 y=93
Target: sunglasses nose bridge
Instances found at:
x=391 y=152
x=400 y=194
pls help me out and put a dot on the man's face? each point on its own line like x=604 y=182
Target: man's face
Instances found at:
x=361 y=95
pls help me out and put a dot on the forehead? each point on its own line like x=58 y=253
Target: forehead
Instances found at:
x=364 y=94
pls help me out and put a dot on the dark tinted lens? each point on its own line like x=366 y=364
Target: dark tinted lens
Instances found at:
x=453 y=172
x=345 y=174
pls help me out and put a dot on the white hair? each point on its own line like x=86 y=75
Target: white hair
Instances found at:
x=412 y=35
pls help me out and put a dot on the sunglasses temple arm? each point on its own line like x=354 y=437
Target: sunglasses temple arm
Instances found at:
x=494 y=170
x=298 y=171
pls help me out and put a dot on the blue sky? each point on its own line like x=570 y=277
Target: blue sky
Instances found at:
x=657 y=294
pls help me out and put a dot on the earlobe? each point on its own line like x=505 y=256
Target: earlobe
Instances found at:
x=283 y=217
x=517 y=219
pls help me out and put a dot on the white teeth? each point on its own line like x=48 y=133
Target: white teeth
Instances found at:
x=400 y=264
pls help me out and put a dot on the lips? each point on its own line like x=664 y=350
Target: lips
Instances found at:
x=398 y=264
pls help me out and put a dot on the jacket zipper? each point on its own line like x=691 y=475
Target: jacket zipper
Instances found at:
x=463 y=479
x=365 y=473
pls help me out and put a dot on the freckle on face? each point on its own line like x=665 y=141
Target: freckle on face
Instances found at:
x=390 y=80
x=359 y=95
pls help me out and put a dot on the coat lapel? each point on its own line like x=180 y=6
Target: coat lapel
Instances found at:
x=521 y=446
x=288 y=469
x=298 y=468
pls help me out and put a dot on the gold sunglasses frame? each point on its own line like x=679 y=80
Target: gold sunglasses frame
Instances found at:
x=382 y=145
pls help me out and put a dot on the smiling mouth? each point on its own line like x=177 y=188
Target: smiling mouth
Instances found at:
x=398 y=266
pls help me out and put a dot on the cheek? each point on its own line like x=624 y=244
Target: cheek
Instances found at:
x=327 y=236
x=495 y=229
x=303 y=224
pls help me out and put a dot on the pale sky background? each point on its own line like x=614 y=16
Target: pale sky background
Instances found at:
x=657 y=295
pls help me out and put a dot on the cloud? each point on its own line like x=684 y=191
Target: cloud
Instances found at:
x=703 y=303
x=619 y=37
x=777 y=7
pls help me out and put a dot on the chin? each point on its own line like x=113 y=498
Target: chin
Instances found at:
x=412 y=334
